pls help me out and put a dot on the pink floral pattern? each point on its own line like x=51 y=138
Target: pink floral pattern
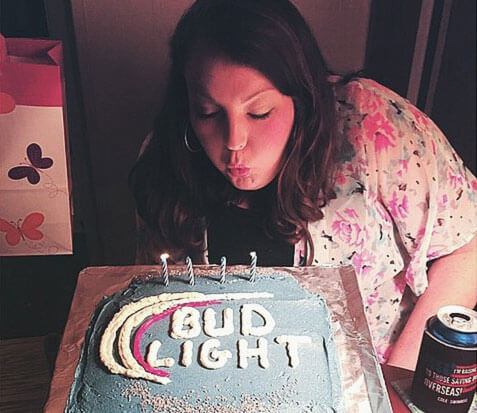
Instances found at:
x=398 y=205
x=379 y=130
x=348 y=230
x=404 y=189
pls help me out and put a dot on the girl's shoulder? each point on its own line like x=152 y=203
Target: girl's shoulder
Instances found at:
x=366 y=97
x=359 y=87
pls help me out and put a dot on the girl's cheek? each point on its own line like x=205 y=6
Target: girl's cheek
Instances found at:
x=275 y=131
x=205 y=133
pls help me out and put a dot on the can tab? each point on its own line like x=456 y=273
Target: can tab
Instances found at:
x=458 y=318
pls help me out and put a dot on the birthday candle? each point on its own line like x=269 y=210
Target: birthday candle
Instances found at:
x=223 y=263
x=253 y=265
x=165 y=274
x=190 y=271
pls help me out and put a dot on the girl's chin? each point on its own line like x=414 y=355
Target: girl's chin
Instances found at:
x=247 y=183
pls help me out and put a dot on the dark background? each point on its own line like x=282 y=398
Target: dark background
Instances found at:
x=36 y=292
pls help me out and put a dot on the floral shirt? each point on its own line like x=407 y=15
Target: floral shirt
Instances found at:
x=403 y=198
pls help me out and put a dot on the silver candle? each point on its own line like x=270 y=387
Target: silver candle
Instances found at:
x=165 y=273
x=190 y=271
x=253 y=266
x=223 y=264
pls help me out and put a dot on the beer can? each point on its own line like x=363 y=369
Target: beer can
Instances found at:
x=446 y=373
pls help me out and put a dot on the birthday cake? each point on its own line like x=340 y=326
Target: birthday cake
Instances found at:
x=235 y=346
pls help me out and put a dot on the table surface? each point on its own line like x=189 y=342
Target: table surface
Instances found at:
x=25 y=377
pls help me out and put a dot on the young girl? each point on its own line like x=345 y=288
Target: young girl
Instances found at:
x=258 y=148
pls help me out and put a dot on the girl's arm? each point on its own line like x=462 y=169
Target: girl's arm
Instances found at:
x=452 y=280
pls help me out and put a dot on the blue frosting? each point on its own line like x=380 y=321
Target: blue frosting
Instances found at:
x=312 y=386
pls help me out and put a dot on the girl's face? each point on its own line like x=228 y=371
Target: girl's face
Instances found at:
x=242 y=121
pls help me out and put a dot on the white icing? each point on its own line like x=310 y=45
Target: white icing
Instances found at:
x=151 y=357
x=185 y=317
x=130 y=316
x=126 y=330
x=106 y=350
x=261 y=352
x=212 y=358
x=291 y=345
x=247 y=329
x=210 y=323
x=186 y=358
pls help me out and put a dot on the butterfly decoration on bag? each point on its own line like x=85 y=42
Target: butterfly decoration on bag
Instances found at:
x=16 y=231
x=32 y=170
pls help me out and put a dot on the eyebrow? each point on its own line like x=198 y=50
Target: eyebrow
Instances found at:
x=256 y=94
x=204 y=94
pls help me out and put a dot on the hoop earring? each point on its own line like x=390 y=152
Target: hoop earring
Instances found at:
x=186 y=142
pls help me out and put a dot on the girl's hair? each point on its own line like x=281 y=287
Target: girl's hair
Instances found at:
x=176 y=191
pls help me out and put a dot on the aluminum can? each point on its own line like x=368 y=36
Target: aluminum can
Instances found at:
x=446 y=373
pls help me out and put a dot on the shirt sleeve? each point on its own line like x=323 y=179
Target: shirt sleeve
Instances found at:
x=422 y=182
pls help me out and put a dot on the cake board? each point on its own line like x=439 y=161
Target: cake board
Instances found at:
x=361 y=378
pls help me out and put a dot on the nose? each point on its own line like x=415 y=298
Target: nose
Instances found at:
x=236 y=135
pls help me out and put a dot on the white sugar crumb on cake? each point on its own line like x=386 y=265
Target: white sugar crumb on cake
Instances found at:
x=194 y=403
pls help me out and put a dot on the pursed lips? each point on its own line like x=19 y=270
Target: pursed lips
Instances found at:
x=238 y=170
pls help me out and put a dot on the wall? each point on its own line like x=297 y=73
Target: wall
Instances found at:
x=453 y=104
x=123 y=58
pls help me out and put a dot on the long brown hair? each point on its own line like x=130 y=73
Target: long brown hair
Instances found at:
x=176 y=190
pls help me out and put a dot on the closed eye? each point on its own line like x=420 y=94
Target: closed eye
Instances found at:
x=207 y=115
x=260 y=115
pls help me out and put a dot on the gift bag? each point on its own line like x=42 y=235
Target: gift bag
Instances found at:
x=35 y=212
